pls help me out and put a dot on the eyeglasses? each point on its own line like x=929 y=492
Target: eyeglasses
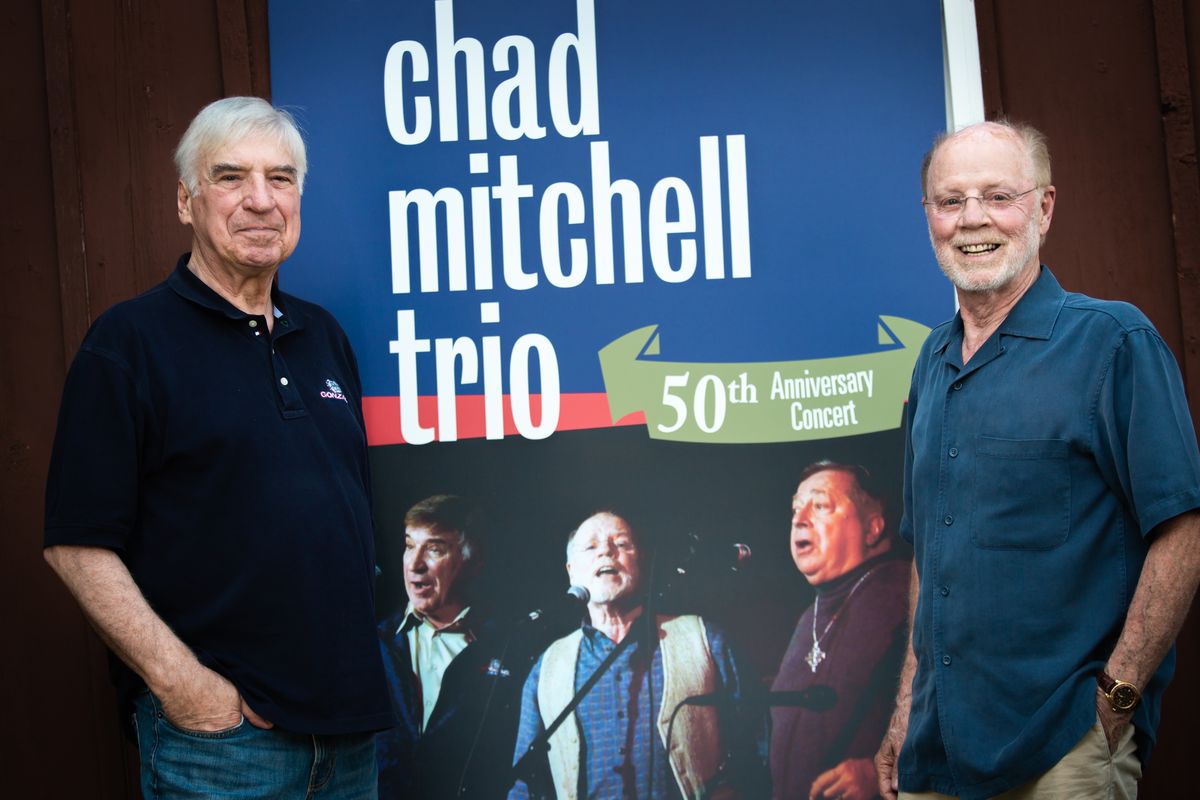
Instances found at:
x=995 y=201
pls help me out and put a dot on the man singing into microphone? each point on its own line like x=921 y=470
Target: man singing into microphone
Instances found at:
x=615 y=743
x=453 y=675
x=852 y=638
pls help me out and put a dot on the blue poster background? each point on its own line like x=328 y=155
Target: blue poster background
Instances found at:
x=836 y=101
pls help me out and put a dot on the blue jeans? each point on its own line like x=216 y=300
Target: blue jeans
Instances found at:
x=249 y=763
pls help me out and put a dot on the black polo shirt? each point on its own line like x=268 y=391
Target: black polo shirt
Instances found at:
x=228 y=468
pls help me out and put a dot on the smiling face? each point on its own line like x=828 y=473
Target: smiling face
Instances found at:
x=978 y=250
x=830 y=533
x=603 y=557
x=433 y=569
x=245 y=213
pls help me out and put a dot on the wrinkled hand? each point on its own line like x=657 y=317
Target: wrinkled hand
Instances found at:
x=206 y=701
x=853 y=779
x=1113 y=722
x=886 y=758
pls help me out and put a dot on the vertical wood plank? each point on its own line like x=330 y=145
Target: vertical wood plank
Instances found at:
x=259 y=47
x=1179 y=144
x=64 y=162
x=235 y=48
x=153 y=89
x=989 y=58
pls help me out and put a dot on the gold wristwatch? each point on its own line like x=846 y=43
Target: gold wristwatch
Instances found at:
x=1122 y=697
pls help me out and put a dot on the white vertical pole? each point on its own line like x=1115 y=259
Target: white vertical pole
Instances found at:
x=960 y=52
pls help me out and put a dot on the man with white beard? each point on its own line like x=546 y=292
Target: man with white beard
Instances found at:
x=620 y=741
x=1050 y=488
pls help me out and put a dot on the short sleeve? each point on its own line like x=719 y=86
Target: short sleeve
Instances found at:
x=1145 y=444
x=92 y=487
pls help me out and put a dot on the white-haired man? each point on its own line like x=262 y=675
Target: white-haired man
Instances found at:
x=632 y=735
x=1051 y=484
x=208 y=503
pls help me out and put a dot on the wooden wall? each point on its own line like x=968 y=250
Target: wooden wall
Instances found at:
x=1112 y=85
x=99 y=92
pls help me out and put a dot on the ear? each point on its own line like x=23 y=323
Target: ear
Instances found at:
x=875 y=530
x=1047 y=209
x=183 y=203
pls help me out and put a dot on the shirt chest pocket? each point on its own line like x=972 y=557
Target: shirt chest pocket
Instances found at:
x=1022 y=493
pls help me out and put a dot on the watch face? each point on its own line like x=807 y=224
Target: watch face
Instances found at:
x=1124 y=697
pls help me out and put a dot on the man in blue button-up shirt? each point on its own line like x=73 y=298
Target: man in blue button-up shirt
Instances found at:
x=1051 y=487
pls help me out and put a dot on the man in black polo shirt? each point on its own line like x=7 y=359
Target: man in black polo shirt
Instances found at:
x=208 y=499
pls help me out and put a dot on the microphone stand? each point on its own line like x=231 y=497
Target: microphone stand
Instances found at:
x=541 y=744
x=534 y=616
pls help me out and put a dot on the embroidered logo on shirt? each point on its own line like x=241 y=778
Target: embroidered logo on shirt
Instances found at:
x=335 y=391
x=496 y=669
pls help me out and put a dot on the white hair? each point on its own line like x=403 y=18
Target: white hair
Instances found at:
x=232 y=119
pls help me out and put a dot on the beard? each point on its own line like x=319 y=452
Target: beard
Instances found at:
x=1019 y=251
x=605 y=592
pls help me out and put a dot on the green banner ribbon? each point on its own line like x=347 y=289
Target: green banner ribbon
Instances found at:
x=779 y=401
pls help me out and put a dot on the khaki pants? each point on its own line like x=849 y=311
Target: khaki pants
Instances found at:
x=1088 y=771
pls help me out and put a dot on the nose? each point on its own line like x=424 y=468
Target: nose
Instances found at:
x=416 y=562
x=973 y=217
x=258 y=194
x=800 y=516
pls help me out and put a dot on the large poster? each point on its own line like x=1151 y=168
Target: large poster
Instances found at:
x=617 y=254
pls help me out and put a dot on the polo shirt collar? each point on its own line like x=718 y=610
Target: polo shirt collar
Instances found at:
x=1033 y=316
x=188 y=285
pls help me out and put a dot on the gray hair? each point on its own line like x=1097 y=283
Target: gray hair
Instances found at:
x=232 y=119
x=602 y=512
x=451 y=514
x=1033 y=140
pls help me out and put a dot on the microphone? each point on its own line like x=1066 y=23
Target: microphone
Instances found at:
x=570 y=602
x=814 y=698
x=714 y=553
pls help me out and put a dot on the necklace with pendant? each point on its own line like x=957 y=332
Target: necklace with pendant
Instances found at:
x=816 y=655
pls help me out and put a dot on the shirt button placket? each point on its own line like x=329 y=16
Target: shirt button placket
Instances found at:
x=949 y=462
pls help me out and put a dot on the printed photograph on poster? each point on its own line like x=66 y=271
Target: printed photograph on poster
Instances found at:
x=626 y=278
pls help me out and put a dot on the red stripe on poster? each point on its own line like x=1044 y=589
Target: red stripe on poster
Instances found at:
x=584 y=411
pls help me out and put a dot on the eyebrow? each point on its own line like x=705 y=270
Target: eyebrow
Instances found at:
x=431 y=540
x=217 y=169
x=225 y=166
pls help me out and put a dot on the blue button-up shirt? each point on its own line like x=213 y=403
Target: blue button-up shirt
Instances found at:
x=623 y=753
x=1034 y=475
